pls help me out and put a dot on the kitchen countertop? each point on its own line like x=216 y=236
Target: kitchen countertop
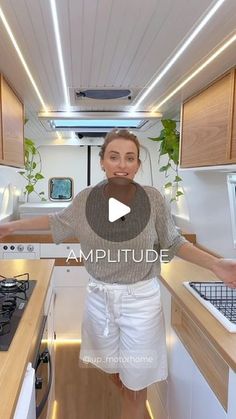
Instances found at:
x=173 y=276
x=46 y=237
x=14 y=361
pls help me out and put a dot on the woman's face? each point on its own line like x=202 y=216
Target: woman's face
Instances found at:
x=120 y=159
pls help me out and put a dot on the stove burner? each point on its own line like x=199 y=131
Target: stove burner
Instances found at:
x=8 y=283
x=14 y=285
x=14 y=294
x=8 y=305
x=5 y=326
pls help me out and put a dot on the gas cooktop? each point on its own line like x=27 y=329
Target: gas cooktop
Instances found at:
x=14 y=296
x=219 y=299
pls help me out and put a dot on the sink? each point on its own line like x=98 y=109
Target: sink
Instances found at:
x=35 y=209
x=6 y=202
x=217 y=298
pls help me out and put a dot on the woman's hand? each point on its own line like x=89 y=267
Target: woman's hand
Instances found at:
x=225 y=269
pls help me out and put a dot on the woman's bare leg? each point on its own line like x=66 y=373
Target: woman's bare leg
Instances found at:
x=116 y=380
x=134 y=404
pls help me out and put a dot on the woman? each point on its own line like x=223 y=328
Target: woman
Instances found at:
x=123 y=328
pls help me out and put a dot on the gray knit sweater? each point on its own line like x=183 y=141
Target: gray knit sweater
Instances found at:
x=124 y=262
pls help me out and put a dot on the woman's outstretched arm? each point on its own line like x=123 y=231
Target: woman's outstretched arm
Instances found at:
x=34 y=223
x=224 y=269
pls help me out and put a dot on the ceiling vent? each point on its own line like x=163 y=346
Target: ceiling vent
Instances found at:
x=102 y=96
x=81 y=135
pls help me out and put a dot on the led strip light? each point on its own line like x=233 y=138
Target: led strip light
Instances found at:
x=25 y=65
x=180 y=51
x=197 y=71
x=17 y=48
x=59 y=51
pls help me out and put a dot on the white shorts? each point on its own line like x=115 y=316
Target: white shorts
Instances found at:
x=123 y=332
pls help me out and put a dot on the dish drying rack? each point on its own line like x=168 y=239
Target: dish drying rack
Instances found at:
x=219 y=295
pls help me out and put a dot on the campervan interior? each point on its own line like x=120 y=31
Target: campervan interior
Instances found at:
x=70 y=71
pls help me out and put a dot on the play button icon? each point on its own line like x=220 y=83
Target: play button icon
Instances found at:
x=117 y=210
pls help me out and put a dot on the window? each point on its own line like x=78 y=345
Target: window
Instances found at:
x=60 y=189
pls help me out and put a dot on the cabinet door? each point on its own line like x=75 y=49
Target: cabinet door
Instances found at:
x=205 y=404
x=233 y=149
x=70 y=289
x=179 y=380
x=12 y=127
x=1 y=140
x=207 y=124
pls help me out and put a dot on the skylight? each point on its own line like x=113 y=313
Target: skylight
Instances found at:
x=97 y=123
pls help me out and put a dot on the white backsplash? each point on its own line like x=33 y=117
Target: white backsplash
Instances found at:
x=11 y=189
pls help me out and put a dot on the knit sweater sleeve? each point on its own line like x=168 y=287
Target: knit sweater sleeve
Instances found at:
x=64 y=224
x=168 y=236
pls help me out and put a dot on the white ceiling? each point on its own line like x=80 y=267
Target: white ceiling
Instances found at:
x=110 y=43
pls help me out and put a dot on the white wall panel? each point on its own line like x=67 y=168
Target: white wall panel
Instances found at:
x=63 y=161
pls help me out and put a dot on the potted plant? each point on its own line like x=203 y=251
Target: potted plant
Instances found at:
x=32 y=173
x=169 y=145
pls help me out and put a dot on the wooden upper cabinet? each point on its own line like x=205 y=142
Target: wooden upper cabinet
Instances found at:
x=207 y=135
x=12 y=127
x=233 y=148
x=1 y=141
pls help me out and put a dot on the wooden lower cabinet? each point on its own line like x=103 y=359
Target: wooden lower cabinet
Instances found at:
x=11 y=127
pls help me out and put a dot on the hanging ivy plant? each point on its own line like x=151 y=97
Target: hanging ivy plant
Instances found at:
x=32 y=173
x=169 y=144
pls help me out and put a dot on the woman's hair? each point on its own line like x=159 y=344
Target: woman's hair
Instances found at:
x=119 y=133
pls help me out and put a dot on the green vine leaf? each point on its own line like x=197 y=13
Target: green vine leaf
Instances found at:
x=178 y=179
x=39 y=176
x=165 y=168
x=169 y=139
x=29 y=188
x=179 y=193
x=155 y=138
x=169 y=124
